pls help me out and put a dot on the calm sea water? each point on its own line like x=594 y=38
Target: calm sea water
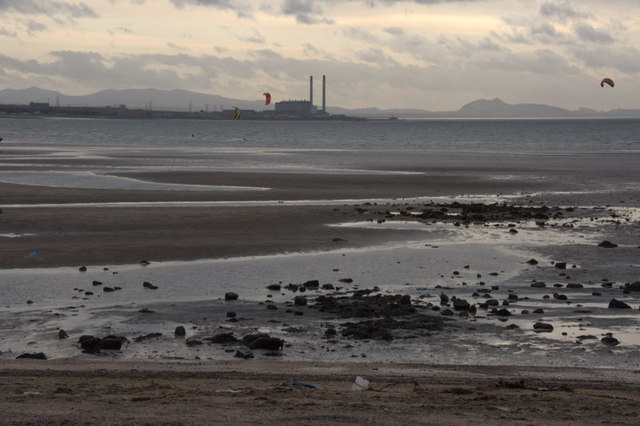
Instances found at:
x=576 y=135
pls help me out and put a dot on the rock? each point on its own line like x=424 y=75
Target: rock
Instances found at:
x=230 y=296
x=539 y=284
x=223 y=338
x=532 y=262
x=575 y=285
x=405 y=300
x=142 y=338
x=300 y=301
x=328 y=287
x=96 y=283
x=444 y=299
x=180 y=331
x=269 y=343
x=311 y=285
x=607 y=244
x=148 y=285
x=113 y=343
x=617 y=304
x=274 y=287
x=538 y=311
x=243 y=353
x=501 y=312
x=460 y=304
x=561 y=265
x=38 y=355
x=90 y=344
x=62 y=334
x=559 y=296
x=634 y=286
x=609 y=340
x=231 y=314
x=447 y=312
x=108 y=289
x=193 y=342
x=82 y=269
x=330 y=333
x=542 y=327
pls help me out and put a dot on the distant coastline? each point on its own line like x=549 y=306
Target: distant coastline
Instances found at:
x=153 y=103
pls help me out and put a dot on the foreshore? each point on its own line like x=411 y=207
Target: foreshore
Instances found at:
x=531 y=379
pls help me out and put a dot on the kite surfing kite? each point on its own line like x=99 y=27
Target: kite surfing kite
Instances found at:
x=267 y=100
x=237 y=113
x=606 y=80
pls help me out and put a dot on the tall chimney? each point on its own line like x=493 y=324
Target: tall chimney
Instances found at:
x=324 y=94
x=311 y=90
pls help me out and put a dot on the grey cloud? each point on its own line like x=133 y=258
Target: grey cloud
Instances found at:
x=587 y=33
x=6 y=33
x=561 y=10
x=357 y=33
x=242 y=8
x=305 y=11
x=49 y=8
x=624 y=60
x=256 y=38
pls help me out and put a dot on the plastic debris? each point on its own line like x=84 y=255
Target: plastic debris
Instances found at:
x=360 y=384
x=299 y=384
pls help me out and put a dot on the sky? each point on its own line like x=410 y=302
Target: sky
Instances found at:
x=427 y=54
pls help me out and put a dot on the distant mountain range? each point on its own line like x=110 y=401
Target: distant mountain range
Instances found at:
x=184 y=100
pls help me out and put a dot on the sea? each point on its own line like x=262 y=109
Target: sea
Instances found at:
x=94 y=150
x=582 y=161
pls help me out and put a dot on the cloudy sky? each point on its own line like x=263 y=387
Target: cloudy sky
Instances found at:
x=427 y=54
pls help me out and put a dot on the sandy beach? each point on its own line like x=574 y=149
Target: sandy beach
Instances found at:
x=352 y=233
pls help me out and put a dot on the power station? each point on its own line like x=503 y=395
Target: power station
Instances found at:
x=304 y=108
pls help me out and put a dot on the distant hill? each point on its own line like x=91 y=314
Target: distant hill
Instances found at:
x=184 y=100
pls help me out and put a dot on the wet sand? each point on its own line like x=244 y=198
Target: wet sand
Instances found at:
x=155 y=390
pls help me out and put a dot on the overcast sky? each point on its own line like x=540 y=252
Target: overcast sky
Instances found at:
x=427 y=54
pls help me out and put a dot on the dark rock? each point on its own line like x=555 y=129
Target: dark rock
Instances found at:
x=62 y=334
x=610 y=340
x=90 y=344
x=231 y=314
x=38 y=355
x=460 y=304
x=82 y=269
x=243 y=353
x=269 y=343
x=274 y=287
x=575 y=285
x=328 y=287
x=223 y=338
x=330 y=333
x=607 y=244
x=251 y=337
x=139 y=339
x=300 y=301
x=501 y=312
x=542 y=327
x=311 y=285
x=405 y=300
x=108 y=289
x=180 y=331
x=539 y=284
x=96 y=283
x=538 y=311
x=617 y=304
x=634 y=286
x=447 y=312
x=532 y=262
x=561 y=265
x=148 y=285
x=193 y=342
x=230 y=296
x=559 y=296
x=113 y=343
x=444 y=299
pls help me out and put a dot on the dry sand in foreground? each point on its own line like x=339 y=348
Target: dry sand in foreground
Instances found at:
x=265 y=392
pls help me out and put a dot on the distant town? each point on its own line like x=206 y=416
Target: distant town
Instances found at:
x=286 y=110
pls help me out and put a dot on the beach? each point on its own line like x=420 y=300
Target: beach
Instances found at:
x=424 y=276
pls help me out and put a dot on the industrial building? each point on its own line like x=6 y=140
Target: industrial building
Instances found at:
x=303 y=108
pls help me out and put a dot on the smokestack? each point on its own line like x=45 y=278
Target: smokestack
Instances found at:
x=324 y=94
x=311 y=90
